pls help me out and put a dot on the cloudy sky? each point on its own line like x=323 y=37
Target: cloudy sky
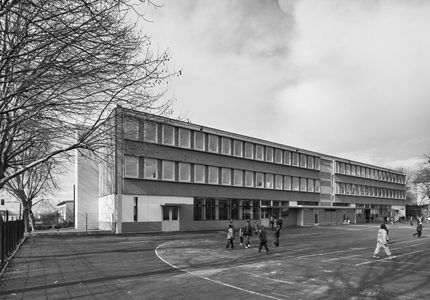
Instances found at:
x=347 y=78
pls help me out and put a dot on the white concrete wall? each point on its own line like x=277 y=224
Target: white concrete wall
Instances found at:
x=149 y=207
x=86 y=196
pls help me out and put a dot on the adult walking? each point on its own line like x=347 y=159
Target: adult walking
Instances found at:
x=419 y=228
x=248 y=234
x=276 y=235
x=230 y=237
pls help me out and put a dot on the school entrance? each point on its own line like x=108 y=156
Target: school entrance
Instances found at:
x=170 y=220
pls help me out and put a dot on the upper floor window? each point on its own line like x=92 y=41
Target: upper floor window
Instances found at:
x=296 y=183
x=213 y=175
x=249 y=179
x=150 y=168
x=295 y=159
x=168 y=135
x=311 y=186
x=259 y=179
x=150 y=132
x=184 y=172
x=184 y=138
x=226 y=176
x=199 y=173
x=199 y=140
x=353 y=170
x=269 y=154
x=287 y=157
x=225 y=146
x=310 y=162
x=317 y=163
x=287 y=183
x=249 y=150
x=131 y=129
x=342 y=168
x=259 y=152
x=131 y=166
x=237 y=145
x=278 y=156
x=303 y=185
x=278 y=182
x=237 y=177
x=317 y=185
x=303 y=160
x=347 y=169
x=269 y=181
x=168 y=170
x=213 y=143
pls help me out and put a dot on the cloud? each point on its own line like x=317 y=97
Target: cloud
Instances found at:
x=338 y=77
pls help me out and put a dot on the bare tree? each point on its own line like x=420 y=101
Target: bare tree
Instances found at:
x=422 y=182
x=64 y=65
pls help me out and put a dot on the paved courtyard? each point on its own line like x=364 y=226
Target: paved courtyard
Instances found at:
x=330 y=262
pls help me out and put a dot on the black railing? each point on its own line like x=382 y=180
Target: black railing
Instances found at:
x=11 y=233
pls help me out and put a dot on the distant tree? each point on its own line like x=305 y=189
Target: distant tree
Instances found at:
x=64 y=65
x=422 y=181
x=409 y=177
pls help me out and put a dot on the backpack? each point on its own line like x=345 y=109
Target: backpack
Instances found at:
x=262 y=234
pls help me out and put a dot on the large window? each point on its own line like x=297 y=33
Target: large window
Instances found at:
x=249 y=179
x=210 y=208
x=311 y=164
x=168 y=172
x=150 y=132
x=225 y=176
x=199 y=173
x=131 y=166
x=259 y=180
x=223 y=209
x=225 y=146
x=198 y=209
x=184 y=138
x=249 y=150
x=213 y=143
x=237 y=177
x=213 y=175
x=199 y=140
x=259 y=152
x=168 y=135
x=150 y=170
x=131 y=129
x=184 y=172
x=287 y=157
x=237 y=145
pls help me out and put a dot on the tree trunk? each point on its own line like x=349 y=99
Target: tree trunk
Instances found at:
x=31 y=219
x=26 y=216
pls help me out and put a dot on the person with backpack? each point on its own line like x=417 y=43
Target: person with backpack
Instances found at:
x=262 y=235
x=382 y=242
x=419 y=228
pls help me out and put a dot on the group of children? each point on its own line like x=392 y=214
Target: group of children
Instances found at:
x=246 y=232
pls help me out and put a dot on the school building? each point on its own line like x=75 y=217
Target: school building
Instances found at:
x=163 y=174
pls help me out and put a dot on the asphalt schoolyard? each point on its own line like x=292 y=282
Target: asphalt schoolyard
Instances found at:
x=330 y=262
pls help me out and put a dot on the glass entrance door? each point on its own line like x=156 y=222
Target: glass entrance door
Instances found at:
x=170 y=220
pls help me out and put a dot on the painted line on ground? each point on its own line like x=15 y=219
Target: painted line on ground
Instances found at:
x=209 y=279
x=386 y=258
x=327 y=253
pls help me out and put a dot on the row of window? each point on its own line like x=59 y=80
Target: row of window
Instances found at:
x=360 y=171
x=197 y=173
x=237 y=209
x=371 y=191
x=197 y=140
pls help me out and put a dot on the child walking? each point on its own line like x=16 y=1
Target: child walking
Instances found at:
x=262 y=234
x=381 y=242
x=230 y=237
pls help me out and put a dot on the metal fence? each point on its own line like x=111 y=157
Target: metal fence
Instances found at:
x=11 y=233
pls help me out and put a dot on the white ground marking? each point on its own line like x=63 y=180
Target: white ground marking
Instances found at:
x=209 y=279
x=326 y=253
x=386 y=258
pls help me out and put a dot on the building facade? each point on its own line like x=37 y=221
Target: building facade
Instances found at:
x=168 y=175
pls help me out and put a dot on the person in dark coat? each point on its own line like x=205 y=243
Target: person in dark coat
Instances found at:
x=262 y=235
x=419 y=228
x=276 y=235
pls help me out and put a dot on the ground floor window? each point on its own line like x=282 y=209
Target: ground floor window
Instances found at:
x=208 y=208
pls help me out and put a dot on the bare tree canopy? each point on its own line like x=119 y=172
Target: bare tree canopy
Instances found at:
x=64 y=65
